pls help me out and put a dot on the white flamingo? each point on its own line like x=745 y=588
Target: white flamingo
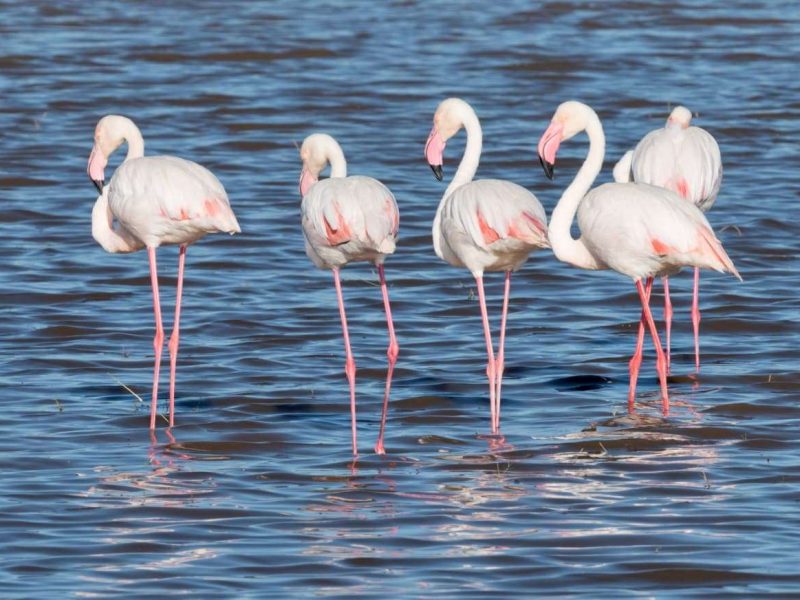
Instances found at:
x=687 y=161
x=155 y=200
x=636 y=229
x=484 y=225
x=348 y=219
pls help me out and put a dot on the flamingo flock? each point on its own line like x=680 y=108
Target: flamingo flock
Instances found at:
x=649 y=223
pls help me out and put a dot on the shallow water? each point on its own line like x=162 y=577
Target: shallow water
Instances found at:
x=254 y=492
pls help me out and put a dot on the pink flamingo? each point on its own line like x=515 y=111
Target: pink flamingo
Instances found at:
x=636 y=229
x=348 y=219
x=687 y=161
x=155 y=200
x=484 y=225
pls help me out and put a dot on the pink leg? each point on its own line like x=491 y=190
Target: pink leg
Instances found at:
x=490 y=367
x=636 y=359
x=174 y=339
x=350 y=365
x=696 y=318
x=667 y=319
x=500 y=362
x=391 y=352
x=661 y=361
x=158 y=340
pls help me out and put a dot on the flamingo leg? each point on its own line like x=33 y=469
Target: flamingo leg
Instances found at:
x=500 y=362
x=667 y=319
x=491 y=366
x=158 y=340
x=350 y=364
x=661 y=361
x=636 y=359
x=174 y=339
x=696 y=318
x=391 y=352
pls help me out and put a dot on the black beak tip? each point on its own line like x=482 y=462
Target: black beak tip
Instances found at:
x=98 y=185
x=548 y=167
x=437 y=172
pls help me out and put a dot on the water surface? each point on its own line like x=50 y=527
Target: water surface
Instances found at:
x=254 y=492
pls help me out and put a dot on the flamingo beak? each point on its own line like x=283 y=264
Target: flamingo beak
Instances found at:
x=95 y=168
x=548 y=147
x=434 y=153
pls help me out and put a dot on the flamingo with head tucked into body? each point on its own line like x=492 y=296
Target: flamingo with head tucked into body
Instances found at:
x=636 y=229
x=155 y=200
x=686 y=160
x=484 y=225
x=347 y=219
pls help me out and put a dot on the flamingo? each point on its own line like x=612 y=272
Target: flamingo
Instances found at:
x=155 y=200
x=687 y=161
x=348 y=219
x=636 y=229
x=484 y=225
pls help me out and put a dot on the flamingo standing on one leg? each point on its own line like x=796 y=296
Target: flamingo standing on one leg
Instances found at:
x=348 y=219
x=636 y=229
x=687 y=161
x=484 y=225
x=155 y=200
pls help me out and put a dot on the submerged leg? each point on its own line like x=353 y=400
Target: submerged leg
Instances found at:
x=661 y=361
x=636 y=359
x=500 y=362
x=696 y=318
x=158 y=340
x=667 y=319
x=350 y=364
x=391 y=352
x=174 y=339
x=490 y=367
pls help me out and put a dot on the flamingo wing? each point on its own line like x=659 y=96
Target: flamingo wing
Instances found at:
x=151 y=195
x=491 y=210
x=686 y=161
x=336 y=211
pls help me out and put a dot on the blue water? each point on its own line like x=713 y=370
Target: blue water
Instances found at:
x=255 y=493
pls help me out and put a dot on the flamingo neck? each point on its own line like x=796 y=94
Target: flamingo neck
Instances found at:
x=134 y=139
x=472 y=153
x=111 y=240
x=338 y=163
x=565 y=247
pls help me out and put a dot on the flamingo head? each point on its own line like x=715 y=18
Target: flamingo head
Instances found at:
x=317 y=151
x=447 y=120
x=569 y=119
x=680 y=117
x=109 y=134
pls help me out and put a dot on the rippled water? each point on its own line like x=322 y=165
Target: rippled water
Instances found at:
x=254 y=492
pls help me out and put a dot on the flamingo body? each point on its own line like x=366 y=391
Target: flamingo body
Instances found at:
x=681 y=158
x=349 y=219
x=490 y=225
x=169 y=200
x=642 y=231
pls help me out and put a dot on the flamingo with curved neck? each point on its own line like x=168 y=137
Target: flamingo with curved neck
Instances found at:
x=636 y=229
x=484 y=225
x=348 y=219
x=155 y=200
x=686 y=160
